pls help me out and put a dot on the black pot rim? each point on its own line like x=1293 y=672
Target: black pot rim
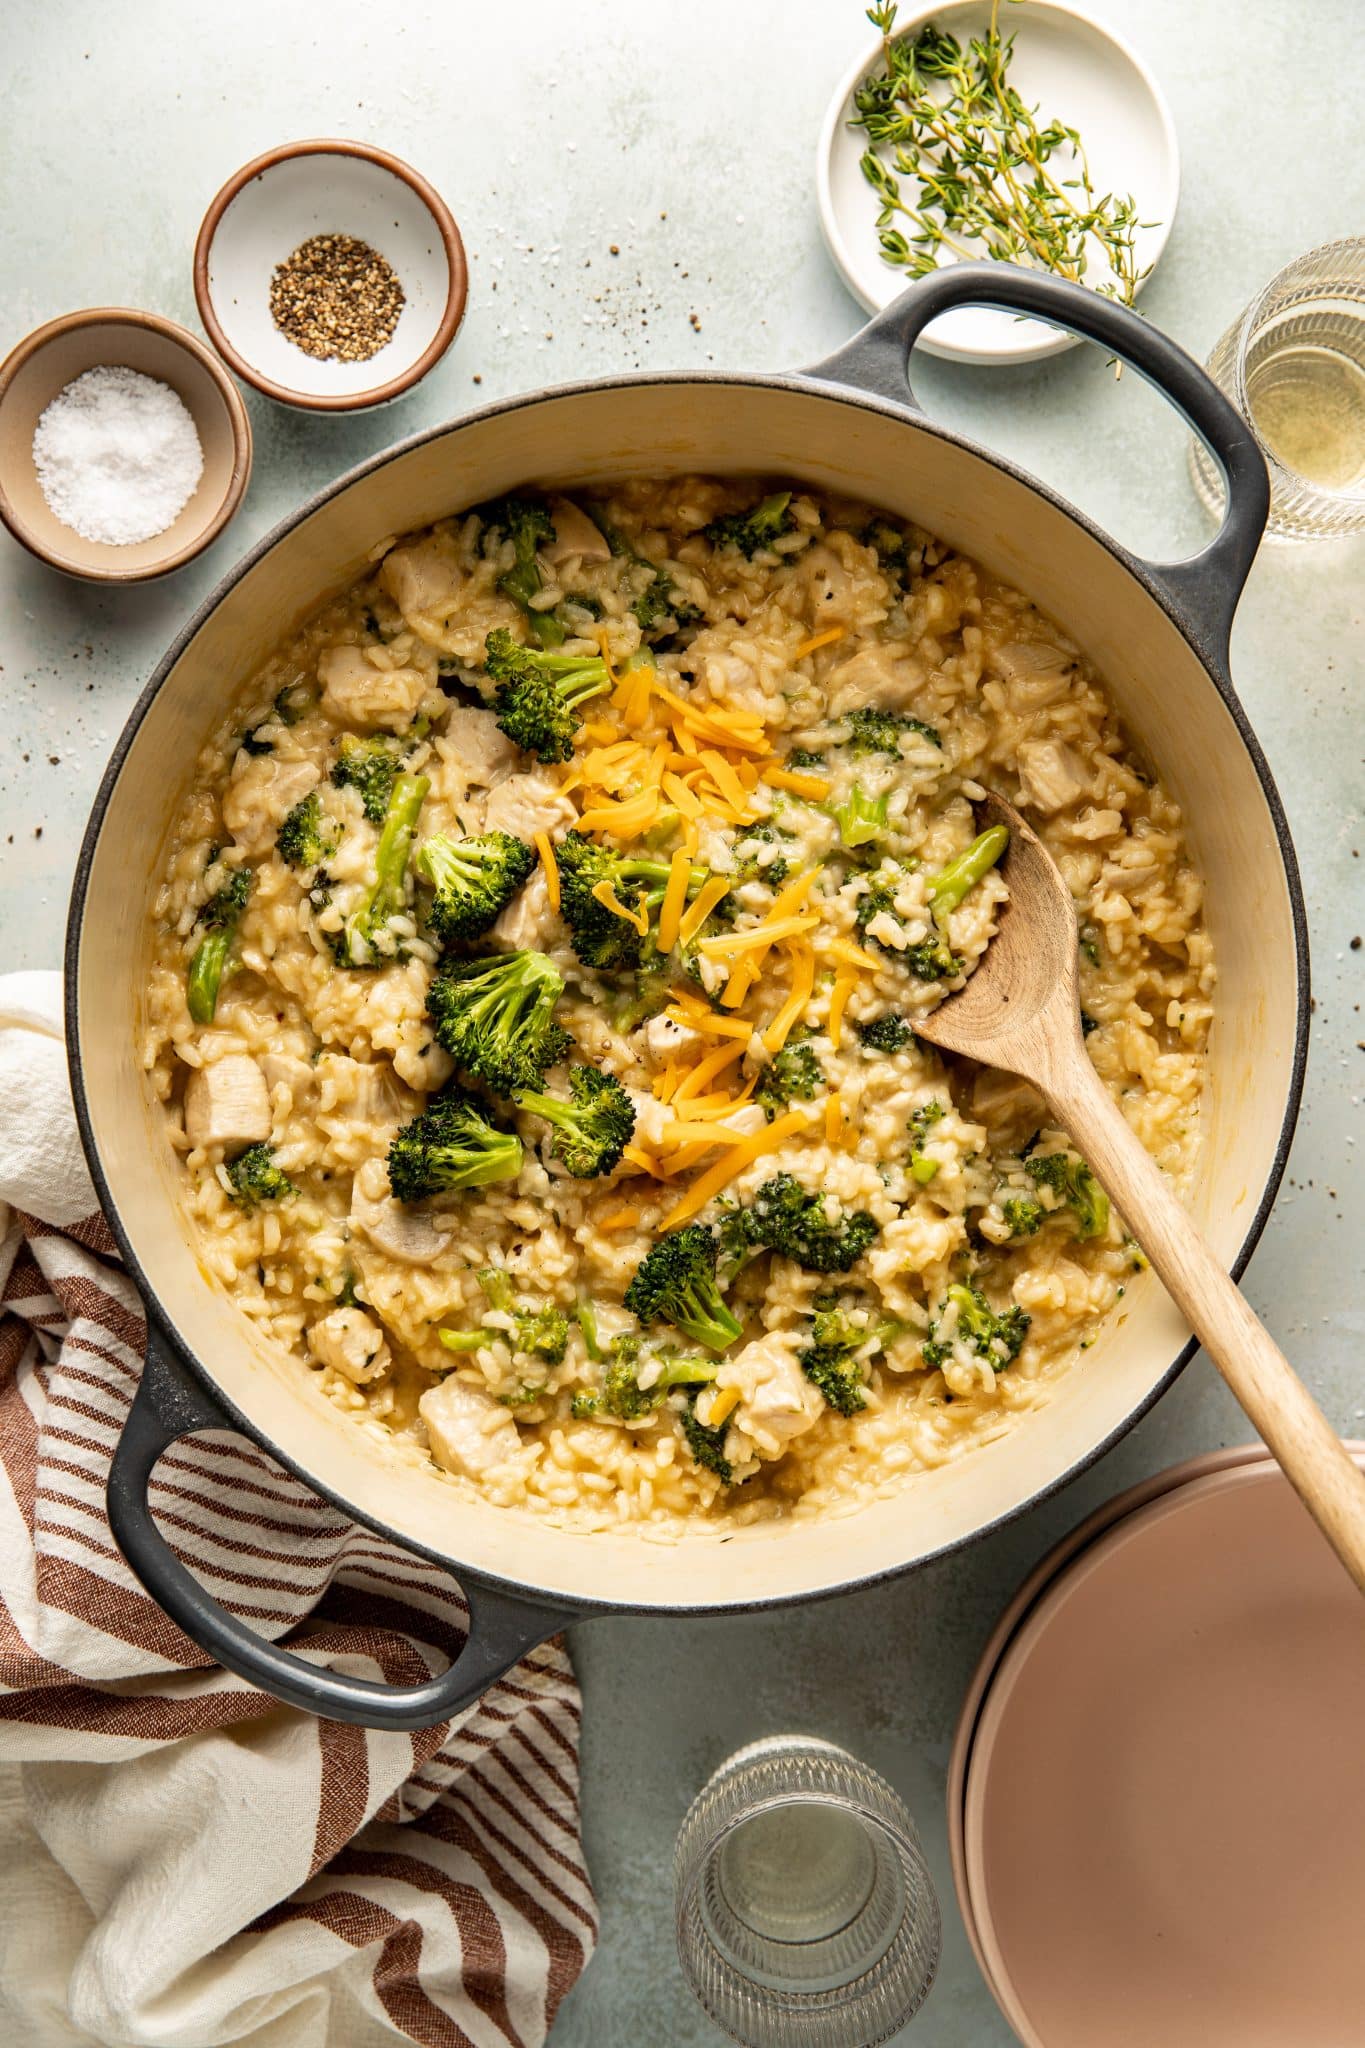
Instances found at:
x=1211 y=659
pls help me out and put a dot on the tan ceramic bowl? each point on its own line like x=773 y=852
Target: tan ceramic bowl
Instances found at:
x=271 y=205
x=45 y=362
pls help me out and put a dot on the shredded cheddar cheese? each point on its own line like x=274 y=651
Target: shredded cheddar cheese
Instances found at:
x=549 y=867
x=675 y=898
x=619 y=1219
x=736 y=1159
x=825 y=639
x=723 y=944
x=834 y=1119
x=838 y=1002
x=708 y=896
x=815 y=787
x=803 y=981
x=603 y=893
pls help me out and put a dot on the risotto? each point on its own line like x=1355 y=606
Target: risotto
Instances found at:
x=534 y=974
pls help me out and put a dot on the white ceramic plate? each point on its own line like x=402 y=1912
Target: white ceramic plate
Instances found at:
x=1068 y=68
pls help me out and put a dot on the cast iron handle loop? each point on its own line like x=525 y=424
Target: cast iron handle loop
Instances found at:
x=171 y=1404
x=1207 y=586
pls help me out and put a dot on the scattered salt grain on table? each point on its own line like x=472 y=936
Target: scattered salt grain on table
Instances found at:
x=117 y=456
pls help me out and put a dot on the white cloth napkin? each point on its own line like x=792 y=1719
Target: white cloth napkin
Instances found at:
x=201 y=1865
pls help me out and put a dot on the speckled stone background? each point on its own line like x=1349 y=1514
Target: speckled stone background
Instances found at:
x=684 y=134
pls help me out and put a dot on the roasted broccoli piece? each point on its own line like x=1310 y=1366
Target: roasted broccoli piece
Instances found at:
x=947 y=888
x=371 y=767
x=538 y=694
x=495 y=1017
x=922 y=1121
x=369 y=936
x=306 y=838
x=1023 y=1215
x=1075 y=1187
x=474 y=879
x=591 y=1129
x=541 y=1333
x=450 y=1144
x=218 y=920
x=587 y=873
x=787 y=1219
x=888 y=1033
x=676 y=1283
x=707 y=1446
x=861 y=818
x=527 y=524
x=757 y=528
x=255 y=1177
x=871 y=731
x=794 y=1074
x=975 y=1324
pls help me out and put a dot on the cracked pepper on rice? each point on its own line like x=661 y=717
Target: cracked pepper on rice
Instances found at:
x=692 y=1227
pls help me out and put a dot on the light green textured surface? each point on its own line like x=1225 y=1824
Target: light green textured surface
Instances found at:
x=553 y=132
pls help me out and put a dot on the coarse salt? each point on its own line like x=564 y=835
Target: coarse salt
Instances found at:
x=117 y=456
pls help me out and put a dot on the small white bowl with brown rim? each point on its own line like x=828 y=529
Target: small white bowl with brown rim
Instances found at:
x=279 y=201
x=53 y=356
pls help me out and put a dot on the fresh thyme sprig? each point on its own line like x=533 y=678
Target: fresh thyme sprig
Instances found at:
x=979 y=159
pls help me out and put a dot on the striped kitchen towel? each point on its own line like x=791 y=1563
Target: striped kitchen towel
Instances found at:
x=232 y=1870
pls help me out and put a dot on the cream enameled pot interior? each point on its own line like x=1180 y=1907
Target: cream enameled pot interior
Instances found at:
x=1173 y=709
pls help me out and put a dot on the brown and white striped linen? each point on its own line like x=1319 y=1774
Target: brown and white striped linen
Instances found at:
x=247 y=1873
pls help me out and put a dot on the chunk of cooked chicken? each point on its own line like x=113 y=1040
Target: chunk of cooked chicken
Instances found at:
x=286 y=1070
x=263 y=790
x=352 y=1343
x=227 y=1103
x=529 y=922
x=358 y=692
x=776 y=1400
x=883 y=675
x=407 y=1234
x=835 y=587
x=527 y=804
x=481 y=751
x=1051 y=776
x=469 y=1433
x=367 y=1090
x=663 y=1039
x=575 y=535
x=423 y=578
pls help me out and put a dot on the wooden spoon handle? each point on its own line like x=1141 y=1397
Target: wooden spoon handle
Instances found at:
x=1316 y=1462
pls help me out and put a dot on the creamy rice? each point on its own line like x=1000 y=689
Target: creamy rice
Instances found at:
x=778 y=648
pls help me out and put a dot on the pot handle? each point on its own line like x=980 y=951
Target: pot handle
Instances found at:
x=1205 y=588
x=169 y=1404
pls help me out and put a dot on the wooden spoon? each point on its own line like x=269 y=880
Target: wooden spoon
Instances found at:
x=1020 y=1010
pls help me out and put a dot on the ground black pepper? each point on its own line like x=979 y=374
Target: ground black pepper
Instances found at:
x=336 y=298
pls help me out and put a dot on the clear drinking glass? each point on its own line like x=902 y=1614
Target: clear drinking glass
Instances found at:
x=1294 y=366
x=805 y=1912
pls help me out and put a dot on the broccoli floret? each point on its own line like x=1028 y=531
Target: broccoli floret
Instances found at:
x=1023 y=1215
x=757 y=528
x=1076 y=1188
x=947 y=888
x=621 y=1394
x=601 y=939
x=450 y=1144
x=888 y=543
x=538 y=694
x=368 y=937
x=647 y=995
x=879 y=732
x=996 y=1338
x=888 y=1034
x=218 y=920
x=835 y=1358
x=787 y=1219
x=474 y=879
x=805 y=757
x=255 y=1177
x=659 y=603
x=707 y=1446
x=306 y=838
x=794 y=1074
x=922 y=1121
x=495 y=1017
x=676 y=1283
x=528 y=525
x=748 y=866
x=591 y=1129
x=928 y=959
x=371 y=767
x=541 y=1333
x=861 y=818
